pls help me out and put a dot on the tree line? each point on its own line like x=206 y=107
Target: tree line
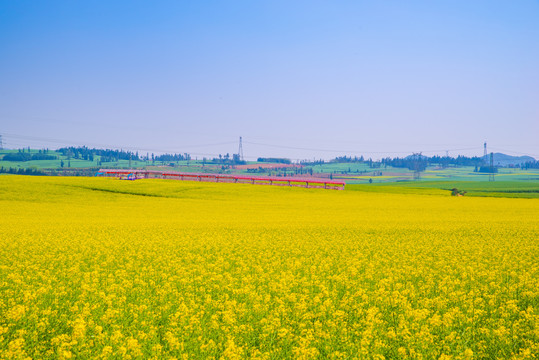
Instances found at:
x=21 y=171
x=274 y=160
x=27 y=157
x=106 y=155
x=110 y=155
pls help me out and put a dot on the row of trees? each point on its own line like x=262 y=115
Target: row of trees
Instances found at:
x=421 y=162
x=274 y=160
x=171 y=157
x=411 y=162
x=348 y=159
x=40 y=151
x=89 y=154
x=282 y=171
x=414 y=162
x=25 y=156
x=107 y=155
x=530 y=165
x=21 y=171
x=110 y=155
x=225 y=159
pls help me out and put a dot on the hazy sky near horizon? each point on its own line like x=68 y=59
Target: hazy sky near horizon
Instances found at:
x=301 y=79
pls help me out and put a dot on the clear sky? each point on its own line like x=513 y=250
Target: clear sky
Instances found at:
x=302 y=79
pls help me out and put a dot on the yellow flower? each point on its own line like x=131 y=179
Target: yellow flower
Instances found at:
x=97 y=268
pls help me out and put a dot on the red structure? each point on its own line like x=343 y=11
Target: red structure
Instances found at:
x=256 y=180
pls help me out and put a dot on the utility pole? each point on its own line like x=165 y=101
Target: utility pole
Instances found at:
x=491 y=173
x=240 y=150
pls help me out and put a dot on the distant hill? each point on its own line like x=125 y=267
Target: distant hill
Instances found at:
x=505 y=160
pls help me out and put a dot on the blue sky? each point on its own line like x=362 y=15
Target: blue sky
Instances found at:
x=302 y=79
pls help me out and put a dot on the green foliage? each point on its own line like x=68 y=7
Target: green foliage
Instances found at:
x=457 y=192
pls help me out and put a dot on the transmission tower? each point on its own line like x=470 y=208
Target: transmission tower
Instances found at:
x=417 y=166
x=1 y=144
x=240 y=151
x=491 y=172
x=485 y=156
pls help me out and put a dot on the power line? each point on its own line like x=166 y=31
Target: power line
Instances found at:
x=352 y=151
x=10 y=137
x=64 y=142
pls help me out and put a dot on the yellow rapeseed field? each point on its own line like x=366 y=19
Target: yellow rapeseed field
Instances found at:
x=94 y=268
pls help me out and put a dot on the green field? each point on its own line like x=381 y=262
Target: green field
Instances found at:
x=508 y=189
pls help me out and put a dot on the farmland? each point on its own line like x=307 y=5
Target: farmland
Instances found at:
x=102 y=268
x=357 y=172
